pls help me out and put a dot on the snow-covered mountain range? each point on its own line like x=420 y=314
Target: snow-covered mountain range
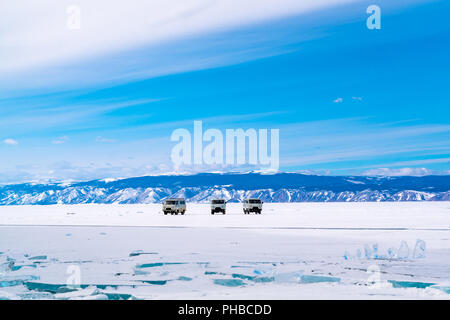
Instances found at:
x=280 y=187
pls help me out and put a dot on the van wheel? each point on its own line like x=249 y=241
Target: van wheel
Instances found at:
x=212 y=212
x=165 y=213
x=182 y=213
x=223 y=211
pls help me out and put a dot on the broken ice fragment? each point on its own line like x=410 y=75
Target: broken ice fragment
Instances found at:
x=261 y=270
x=18 y=267
x=229 y=282
x=288 y=277
x=392 y=253
x=315 y=279
x=358 y=254
x=39 y=258
x=419 y=249
x=367 y=251
x=183 y=278
x=375 y=251
x=252 y=278
x=403 y=251
x=63 y=288
x=445 y=289
x=11 y=281
x=214 y=272
x=140 y=252
x=47 y=287
x=119 y=296
x=155 y=282
x=157 y=264
x=410 y=284
x=347 y=255
x=77 y=293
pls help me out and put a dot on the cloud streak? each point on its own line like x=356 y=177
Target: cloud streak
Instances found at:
x=36 y=33
x=10 y=142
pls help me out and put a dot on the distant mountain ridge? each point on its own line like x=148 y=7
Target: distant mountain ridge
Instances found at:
x=279 y=187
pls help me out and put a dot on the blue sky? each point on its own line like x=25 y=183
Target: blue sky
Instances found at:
x=347 y=100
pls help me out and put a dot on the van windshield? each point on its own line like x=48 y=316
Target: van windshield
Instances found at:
x=254 y=201
x=171 y=202
x=218 y=201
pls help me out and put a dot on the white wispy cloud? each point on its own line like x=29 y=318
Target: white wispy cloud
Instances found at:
x=338 y=100
x=36 y=32
x=149 y=38
x=414 y=162
x=61 y=140
x=105 y=140
x=391 y=172
x=10 y=141
x=335 y=141
x=78 y=116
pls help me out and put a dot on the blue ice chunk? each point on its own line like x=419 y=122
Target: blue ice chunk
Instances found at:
x=375 y=251
x=233 y=267
x=38 y=258
x=183 y=278
x=347 y=255
x=140 y=272
x=6 y=266
x=47 y=287
x=63 y=288
x=367 y=251
x=253 y=278
x=229 y=282
x=155 y=282
x=18 y=267
x=315 y=279
x=140 y=252
x=203 y=264
x=288 y=277
x=89 y=291
x=392 y=253
x=419 y=249
x=214 y=272
x=445 y=289
x=403 y=251
x=264 y=270
x=157 y=264
x=358 y=254
x=119 y=296
x=410 y=284
x=11 y=281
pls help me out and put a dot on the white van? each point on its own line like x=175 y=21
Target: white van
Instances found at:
x=218 y=205
x=252 y=205
x=174 y=206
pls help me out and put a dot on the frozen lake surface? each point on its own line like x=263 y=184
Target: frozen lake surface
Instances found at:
x=365 y=250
